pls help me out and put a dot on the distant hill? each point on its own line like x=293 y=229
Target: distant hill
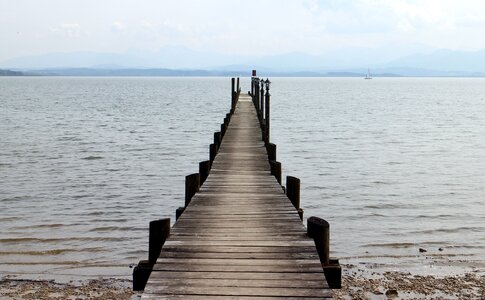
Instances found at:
x=447 y=61
x=134 y=72
x=179 y=61
x=165 y=58
x=105 y=72
x=10 y=73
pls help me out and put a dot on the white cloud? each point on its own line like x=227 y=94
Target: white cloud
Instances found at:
x=146 y=25
x=405 y=26
x=67 y=29
x=244 y=27
x=117 y=26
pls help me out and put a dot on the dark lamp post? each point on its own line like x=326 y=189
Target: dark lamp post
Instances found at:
x=268 y=83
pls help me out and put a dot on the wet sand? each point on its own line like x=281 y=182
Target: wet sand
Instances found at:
x=364 y=284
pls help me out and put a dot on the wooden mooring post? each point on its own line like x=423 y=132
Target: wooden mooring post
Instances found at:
x=240 y=233
x=159 y=231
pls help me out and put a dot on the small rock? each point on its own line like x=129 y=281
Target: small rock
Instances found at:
x=440 y=249
x=377 y=292
x=422 y=250
x=391 y=293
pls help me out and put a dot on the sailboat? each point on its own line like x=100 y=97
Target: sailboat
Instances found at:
x=368 y=75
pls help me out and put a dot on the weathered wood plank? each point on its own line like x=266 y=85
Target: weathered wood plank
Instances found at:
x=239 y=262
x=234 y=237
x=204 y=282
x=239 y=275
x=238 y=291
x=239 y=255
x=249 y=268
x=238 y=249
x=267 y=243
x=206 y=297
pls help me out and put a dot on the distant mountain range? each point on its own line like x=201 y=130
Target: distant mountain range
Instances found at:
x=177 y=61
x=10 y=73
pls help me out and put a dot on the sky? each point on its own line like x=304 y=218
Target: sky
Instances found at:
x=237 y=27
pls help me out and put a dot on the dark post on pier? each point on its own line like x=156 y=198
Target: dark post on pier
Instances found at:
x=240 y=232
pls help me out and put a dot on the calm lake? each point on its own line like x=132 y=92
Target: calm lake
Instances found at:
x=394 y=164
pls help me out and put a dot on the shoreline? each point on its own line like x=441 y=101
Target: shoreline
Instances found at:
x=361 y=283
x=358 y=282
x=12 y=288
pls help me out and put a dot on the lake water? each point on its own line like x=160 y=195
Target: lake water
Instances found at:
x=394 y=164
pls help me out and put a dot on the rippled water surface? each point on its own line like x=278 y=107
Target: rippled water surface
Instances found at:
x=85 y=163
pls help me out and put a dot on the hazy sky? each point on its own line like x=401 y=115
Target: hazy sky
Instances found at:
x=237 y=27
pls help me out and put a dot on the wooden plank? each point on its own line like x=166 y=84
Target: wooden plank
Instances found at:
x=249 y=268
x=236 y=249
x=233 y=237
x=208 y=243
x=239 y=255
x=239 y=275
x=238 y=291
x=205 y=297
x=239 y=232
x=204 y=282
x=241 y=262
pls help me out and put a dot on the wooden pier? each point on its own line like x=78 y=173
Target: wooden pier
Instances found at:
x=239 y=235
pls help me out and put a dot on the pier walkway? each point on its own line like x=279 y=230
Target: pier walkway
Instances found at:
x=239 y=236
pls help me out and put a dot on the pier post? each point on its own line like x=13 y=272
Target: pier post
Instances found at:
x=255 y=101
x=266 y=111
x=141 y=273
x=261 y=97
x=212 y=152
x=217 y=139
x=271 y=149
x=192 y=184
x=261 y=111
x=237 y=86
x=293 y=190
x=256 y=95
x=159 y=232
x=300 y=213
x=233 y=95
x=276 y=170
x=178 y=212
x=319 y=230
x=204 y=169
x=223 y=128
x=253 y=76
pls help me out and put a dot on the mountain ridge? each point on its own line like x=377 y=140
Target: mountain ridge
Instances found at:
x=179 y=61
